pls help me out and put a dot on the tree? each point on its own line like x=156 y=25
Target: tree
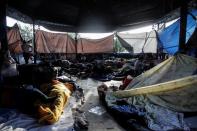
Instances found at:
x=26 y=31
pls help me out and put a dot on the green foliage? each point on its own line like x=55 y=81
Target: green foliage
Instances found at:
x=118 y=47
x=26 y=31
x=72 y=35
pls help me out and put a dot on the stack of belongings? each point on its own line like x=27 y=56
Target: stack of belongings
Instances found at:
x=159 y=98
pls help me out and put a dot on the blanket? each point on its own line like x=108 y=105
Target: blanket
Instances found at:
x=50 y=112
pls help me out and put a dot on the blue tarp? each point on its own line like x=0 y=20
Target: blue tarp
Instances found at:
x=169 y=37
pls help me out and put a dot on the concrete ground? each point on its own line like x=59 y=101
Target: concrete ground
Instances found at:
x=97 y=122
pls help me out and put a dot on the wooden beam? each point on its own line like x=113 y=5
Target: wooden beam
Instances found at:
x=183 y=26
x=76 y=44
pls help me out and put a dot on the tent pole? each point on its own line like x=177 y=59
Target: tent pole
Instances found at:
x=183 y=25
x=76 y=43
x=3 y=32
x=34 y=43
x=116 y=42
x=67 y=47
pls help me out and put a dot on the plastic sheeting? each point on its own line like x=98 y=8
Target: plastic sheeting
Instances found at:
x=142 y=42
x=158 y=88
x=124 y=44
x=164 y=81
x=169 y=37
x=47 y=42
x=168 y=88
x=14 y=40
x=104 y=45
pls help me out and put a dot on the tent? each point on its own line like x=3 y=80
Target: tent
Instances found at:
x=124 y=44
x=141 y=42
x=164 y=90
x=169 y=37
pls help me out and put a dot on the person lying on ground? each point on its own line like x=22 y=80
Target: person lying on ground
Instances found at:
x=46 y=103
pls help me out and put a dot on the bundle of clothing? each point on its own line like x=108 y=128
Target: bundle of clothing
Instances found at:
x=45 y=103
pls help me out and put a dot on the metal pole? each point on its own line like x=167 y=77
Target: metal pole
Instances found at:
x=76 y=44
x=3 y=32
x=183 y=26
x=34 y=43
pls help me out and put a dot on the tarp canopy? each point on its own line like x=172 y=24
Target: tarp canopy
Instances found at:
x=169 y=37
x=141 y=42
x=104 y=45
x=14 y=40
x=47 y=42
x=92 y=15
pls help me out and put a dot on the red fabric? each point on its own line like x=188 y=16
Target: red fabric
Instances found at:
x=125 y=83
x=47 y=42
x=104 y=45
x=14 y=40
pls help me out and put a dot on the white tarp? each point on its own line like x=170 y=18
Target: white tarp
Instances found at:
x=124 y=44
x=142 y=42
